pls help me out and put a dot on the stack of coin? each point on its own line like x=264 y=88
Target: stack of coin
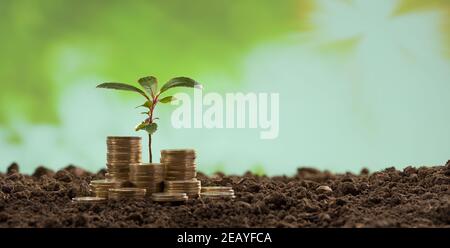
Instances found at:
x=127 y=193
x=100 y=188
x=122 y=152
x=147 y=176
x=190 y=187
x=179 y=164
x=169 y=197
x=217 y=192
x=88 y=199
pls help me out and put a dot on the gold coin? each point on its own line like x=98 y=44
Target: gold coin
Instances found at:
x=123 y=148
x=119 y=197
x=116 y=177
x=216 y=189
x=180 y=168
x=177 y=173
x=101 y=195
x=178 y=151
x=129 y=143
x=123 y=166
x=88 y=199
x=124 y=138
x=127 y=190
x=115 y=174
x=115 y=171
x=146 y=167
x=123 y=142
x=124 y=161
x=217 y=194
x=151 y=165
x=184 y=181
x=178 y=158
x=132 y=149
x=169 y=197
x=104 y=182
x=191 y=175
x=146 y=180
x=172 y=167
x=177 y=178
x=123 y=157
x=113 y=164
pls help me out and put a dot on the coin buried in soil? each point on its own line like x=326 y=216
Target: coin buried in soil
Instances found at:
x=88 y=199
x=217 y=195
x=217 y=189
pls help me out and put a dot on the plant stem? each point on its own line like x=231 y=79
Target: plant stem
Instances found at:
x=150 y=147
x=152 y=109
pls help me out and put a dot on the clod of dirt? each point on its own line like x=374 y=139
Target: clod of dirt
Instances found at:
x=64 y=176
x=447 y=168
x=365 y=171
x=413 y=197
x=348 y=188
x=13 y=168
x=76 y=171
x=42 y=171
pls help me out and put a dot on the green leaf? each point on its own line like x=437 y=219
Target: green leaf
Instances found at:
x=145 y=113
x=168 y=99
x=122 y=86
x=150 y=84
x=141 y=126
x=151 y=128
x=180 y=82
x=147 y=104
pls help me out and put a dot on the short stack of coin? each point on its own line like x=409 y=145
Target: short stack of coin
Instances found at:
x=127 y=193
x=148 y=176
x=190 y=187
x=217 y=192
x=179 y=164
x=122 y=152
x=169 y=197
x=100 y=188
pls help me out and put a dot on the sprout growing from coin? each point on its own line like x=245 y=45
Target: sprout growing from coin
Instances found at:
x=153 y=96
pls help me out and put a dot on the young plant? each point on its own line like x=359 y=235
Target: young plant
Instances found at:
x=153 y=96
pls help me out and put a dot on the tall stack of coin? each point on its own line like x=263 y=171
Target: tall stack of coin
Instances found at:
x=122 y=153
x=100 y=188
x=217 y=192
x=190 y=187
x=179 y=164
x=127 y=193
x=147 y=176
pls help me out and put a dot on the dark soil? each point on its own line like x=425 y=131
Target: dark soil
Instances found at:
x=414 y=197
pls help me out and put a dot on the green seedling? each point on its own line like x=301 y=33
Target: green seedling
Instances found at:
x=153 y=96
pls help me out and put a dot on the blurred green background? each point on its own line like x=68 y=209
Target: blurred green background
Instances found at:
x=362 y=83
